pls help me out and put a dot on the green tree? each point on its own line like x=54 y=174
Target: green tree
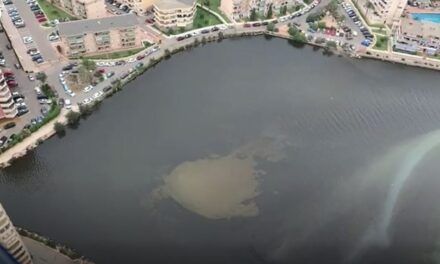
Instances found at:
x=297 y=37
x=88 y=64
x=321 y=25
x=41 y=76
x=269 y=12
x=270 y=27
x=283 y=10
x=60 y=129
x=73 y=118
x=253 y=15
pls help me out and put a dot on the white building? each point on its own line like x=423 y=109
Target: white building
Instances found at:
x=174 y=13
x=241 y=9
x=7 y=104
x=418 y=36
x=11 y=240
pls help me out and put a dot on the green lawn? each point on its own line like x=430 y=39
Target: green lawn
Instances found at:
x=379 y=31
x=203 y=19
x=52 y=12
x=115 y=55
x=214 y=5
x=381 y=43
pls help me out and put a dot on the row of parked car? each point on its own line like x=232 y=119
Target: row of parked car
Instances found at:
x=148 y=52
x=15 y=17
x=202 y=31
x=120 y=6
x=35 y=8
x=35 y=55
x=352 y=14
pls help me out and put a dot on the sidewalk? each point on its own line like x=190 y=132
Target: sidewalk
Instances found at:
x=42 y=254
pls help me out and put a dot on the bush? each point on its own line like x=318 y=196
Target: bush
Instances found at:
x=60 y=129
x=73 y=118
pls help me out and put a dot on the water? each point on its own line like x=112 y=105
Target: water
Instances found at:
x=426 y=17
x=346 y=152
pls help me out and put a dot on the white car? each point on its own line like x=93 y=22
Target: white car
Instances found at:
x=27 y=40
x=131 y=60
x=88 y=88
x=100 y=63
x=72 y=94
x=53 y=38
x=87 y=101
x=31 y=77
x=98 y=94
x=67 y=104
x=222 y=27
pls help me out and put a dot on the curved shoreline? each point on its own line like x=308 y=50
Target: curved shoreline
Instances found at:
x=45 y=132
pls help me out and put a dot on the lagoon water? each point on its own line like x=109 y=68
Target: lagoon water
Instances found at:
x=245 y=151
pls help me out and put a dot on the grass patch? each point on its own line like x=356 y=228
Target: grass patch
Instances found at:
x=203 y=19
x=381 y=43
x=52 y=12
x=115 y=55
x=379 y=31
x=214 y=5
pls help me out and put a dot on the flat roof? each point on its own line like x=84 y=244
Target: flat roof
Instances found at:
x=173 y=4
x=78 y=27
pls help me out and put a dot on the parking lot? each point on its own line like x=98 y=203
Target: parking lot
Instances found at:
x=25 y=87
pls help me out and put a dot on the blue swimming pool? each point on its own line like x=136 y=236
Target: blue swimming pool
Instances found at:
x=426 y=17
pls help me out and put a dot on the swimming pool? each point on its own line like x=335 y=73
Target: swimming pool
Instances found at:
x=426 y=17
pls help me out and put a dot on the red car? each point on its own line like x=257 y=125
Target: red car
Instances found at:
x=247 y=25
x=7 y=73
x=101 y=70
x=43 y=19
x=140 y=57
x=149 y=20
x=40 y=16
x=12 y=83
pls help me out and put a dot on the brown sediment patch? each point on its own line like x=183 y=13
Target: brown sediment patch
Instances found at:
x=219 y=187
x=215 y=188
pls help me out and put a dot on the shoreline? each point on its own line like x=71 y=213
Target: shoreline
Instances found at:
x=47 y=131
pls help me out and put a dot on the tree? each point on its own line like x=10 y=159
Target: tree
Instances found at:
x=41 y=76
x=283 y=10
x=167 y=53
x=73 y=118
x=88 y=64
x=269 y=12
x=270 y=27
x=297 y=37
x=60 y=129
x=253 y=15
x=321 y=25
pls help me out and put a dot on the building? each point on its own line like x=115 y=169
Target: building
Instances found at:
x=94 y=36
x=241 y=9
x=139 y=6
x=174 y=13
x=11 y=240
x=387 y=11
x=424 y=37
x=7 y=104
x=85 y=9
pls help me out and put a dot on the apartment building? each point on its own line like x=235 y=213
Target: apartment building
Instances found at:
x=174 y=13
x=139 y=6
x=386 y=11
x=241 y=9
x=7 y=105
x=11 y=240
x=85 y=9
x=414 y=36
x=94 y=36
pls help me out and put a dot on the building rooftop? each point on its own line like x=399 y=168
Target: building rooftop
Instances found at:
x=173 y=4
x=95 y=25
x=419 y=29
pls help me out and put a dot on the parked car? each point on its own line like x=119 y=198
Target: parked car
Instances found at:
x=9 y=125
